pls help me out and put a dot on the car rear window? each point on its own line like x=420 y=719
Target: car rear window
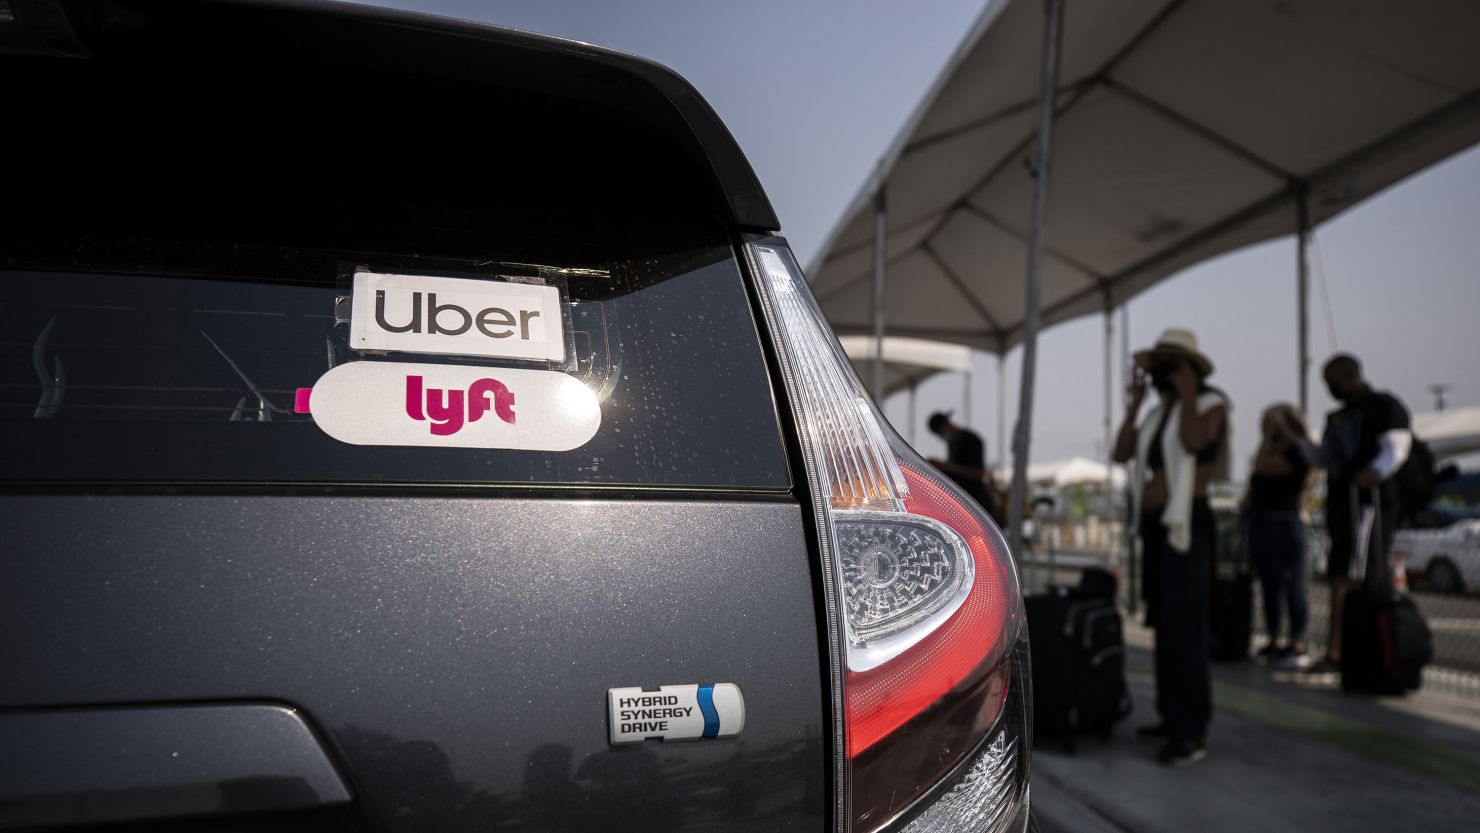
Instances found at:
x=129 y=377
x=180 y=290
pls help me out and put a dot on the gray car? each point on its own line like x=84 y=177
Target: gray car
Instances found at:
x=414 y=425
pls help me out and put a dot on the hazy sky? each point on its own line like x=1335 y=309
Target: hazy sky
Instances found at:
x=815 y=92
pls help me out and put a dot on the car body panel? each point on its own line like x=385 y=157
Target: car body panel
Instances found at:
x=456 y=652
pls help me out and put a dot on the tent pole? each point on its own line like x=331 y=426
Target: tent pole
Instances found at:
x=880 y=226
x=966 y=396
x=1001 y=408
x=1128 y=532
x=1109 y=449
x=1302 y=303
x=1022 y=432
x=913 y=386
x=1125 y=344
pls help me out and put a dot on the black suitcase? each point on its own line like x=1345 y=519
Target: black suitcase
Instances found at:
x=1231 y=601
x=1097 y=583
x=1233 y=616
x=1078 y=660
x=1101 y=698
x=1052 y=664
x=1385 y=642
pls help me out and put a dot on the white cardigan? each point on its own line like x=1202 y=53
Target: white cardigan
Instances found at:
x=1179 y=464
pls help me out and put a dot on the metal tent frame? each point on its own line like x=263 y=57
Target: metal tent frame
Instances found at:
x=1180 y=129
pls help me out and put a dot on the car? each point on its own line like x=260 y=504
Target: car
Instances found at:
x=1447 y=558
x=418 y=425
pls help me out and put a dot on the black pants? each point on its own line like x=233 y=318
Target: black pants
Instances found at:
x=1277 y=543
x=1184 y=580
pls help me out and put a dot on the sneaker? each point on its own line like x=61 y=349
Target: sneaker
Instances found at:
x=1289 y=659
x=1155 y=730
x=1179 y=753
x=1269 y=652
x=1325 y=666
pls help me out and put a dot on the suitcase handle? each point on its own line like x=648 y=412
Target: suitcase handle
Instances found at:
x=1376 y=572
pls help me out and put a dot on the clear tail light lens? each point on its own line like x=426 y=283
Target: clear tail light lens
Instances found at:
x=925 y=605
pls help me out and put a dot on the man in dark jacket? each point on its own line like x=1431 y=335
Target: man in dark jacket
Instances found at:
x=1365 y=442
x=966 y=461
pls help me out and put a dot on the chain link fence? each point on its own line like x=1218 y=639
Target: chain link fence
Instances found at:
x=1084 y=527
x=1453 y=615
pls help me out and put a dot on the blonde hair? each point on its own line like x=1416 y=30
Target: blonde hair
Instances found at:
x=1285 y=414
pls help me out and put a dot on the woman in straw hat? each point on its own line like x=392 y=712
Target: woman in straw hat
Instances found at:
x=1178 y=449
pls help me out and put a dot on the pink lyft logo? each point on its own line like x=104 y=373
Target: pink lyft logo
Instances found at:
x=445 y=407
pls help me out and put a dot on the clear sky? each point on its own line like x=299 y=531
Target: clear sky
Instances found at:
x=815 y=92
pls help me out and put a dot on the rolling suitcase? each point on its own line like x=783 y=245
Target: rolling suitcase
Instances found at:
x=1233 y=616
x=1098 y=583
x=1231 y=602
x=1078 y=660
x=1385 y=642
x=1052 y=665
x=1101 y=698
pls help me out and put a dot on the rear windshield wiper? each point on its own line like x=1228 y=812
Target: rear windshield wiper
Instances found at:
x=265 y=408
x=53 y=385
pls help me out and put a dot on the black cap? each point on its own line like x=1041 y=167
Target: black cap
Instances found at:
x=938 y=419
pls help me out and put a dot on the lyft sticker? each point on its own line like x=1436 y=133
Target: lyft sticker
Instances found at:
x=455 y=406
x=456 y=317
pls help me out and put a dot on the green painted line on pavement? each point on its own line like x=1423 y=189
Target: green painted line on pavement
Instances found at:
x=1426 y=758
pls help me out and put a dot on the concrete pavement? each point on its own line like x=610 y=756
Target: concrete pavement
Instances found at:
x=1285 y=754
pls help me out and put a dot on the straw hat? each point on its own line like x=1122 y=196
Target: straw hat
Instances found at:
x=1176 y=342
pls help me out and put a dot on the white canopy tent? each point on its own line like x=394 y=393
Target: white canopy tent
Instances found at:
x=909 y=361
x=1176 y=129
x=1075 y=471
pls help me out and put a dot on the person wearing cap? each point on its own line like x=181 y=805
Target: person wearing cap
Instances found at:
x=966 y=461
x=1177 y=450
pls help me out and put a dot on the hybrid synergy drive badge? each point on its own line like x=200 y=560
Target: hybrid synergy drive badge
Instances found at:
x=675 y=712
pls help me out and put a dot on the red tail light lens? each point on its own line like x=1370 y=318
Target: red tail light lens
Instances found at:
x=974 y=638
x=923 y=600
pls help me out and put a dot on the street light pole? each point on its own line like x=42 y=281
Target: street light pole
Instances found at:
x=1438 y=390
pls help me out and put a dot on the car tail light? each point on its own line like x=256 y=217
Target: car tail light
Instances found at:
x=924 y=607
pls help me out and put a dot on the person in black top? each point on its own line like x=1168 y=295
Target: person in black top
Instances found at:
x=966 y=461
x=1277 y=529
x=1365 y=443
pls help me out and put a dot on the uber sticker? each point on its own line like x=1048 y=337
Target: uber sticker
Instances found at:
x=456 y=406
x=456 y=317
x=675 y=712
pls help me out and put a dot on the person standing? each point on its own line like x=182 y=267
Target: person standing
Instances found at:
x=966 y=461
x=1178 y=449
x=1282 y=467
x=1364 y=444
